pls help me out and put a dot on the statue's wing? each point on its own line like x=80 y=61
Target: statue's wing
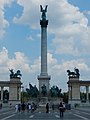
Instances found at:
x=46 y=8
x=41 y=9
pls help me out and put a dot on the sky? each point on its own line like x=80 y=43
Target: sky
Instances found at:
x=68 y=35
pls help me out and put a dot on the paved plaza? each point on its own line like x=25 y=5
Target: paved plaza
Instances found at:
x=73 y=114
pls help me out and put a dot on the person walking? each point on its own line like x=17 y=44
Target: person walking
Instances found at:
x=19 y=107
x=23 y=107
x=16 y=107
x=29 y=107
x=47 y=108
x=53 y=107
x=61 y=109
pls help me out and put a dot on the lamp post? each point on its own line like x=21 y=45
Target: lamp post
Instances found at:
x=22 y=95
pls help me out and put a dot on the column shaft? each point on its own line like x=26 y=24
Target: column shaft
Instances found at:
x=43 y=51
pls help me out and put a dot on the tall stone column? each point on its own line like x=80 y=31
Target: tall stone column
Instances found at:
x=43 y=77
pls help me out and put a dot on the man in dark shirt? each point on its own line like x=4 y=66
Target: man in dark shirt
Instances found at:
x=61 y=109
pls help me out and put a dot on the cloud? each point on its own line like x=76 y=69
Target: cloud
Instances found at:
x=87 y=12
x=30 y=38
x=71 y=38
x=66 y=22
x=19 y=62
x=58 y=71
x=30 y=71
x=3 y=22
x=59 y=75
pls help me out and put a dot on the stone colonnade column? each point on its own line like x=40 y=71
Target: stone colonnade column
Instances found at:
x=87 y=93
x=70 y=92
x=2 y=93
x=19 y=93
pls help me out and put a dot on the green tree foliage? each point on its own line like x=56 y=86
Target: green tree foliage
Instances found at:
x=65 y=97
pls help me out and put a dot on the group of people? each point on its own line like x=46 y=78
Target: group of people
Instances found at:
x=31 y=107
x=22 y=107
x=61 y=108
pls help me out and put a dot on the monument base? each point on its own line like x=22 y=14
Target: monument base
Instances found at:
x=10 y=103
x=42 y=103
x=44 y=80
x=43 y=100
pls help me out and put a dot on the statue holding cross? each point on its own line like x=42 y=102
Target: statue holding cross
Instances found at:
x=43 y=12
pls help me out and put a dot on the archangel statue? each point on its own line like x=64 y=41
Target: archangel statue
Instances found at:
x=43 y=12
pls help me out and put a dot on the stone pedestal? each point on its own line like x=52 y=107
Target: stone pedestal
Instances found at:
x=15 y=90
x=74 y=91
x=44 y=80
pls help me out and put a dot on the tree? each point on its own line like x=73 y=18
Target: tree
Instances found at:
x=65 y=97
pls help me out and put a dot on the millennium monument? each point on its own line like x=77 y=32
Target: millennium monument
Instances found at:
x=44 y=78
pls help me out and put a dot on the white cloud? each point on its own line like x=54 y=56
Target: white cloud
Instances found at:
x=30 y=38
x=59 y=75
x=69 y=25
x=71 y=31
x=87 y=12
x=3 y=22
x=30 y=71
x=19 y=62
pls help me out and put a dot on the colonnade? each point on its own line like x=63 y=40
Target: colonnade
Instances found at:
x=74 y=85
x=14 y=89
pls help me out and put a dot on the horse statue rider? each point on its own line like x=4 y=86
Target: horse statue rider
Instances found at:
x=74 y=74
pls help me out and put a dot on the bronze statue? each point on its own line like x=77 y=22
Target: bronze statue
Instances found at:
x=15 y=75
x=44 y=90
x=74 y=74
x=43 y=12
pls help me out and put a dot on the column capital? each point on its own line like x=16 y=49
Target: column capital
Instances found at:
x=43 y=23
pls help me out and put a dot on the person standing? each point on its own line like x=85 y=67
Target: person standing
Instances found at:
x=53 y=106
x=29 y=107
x=47 y=108
x=19 y=107
x=23 y=107
x=61 y=109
